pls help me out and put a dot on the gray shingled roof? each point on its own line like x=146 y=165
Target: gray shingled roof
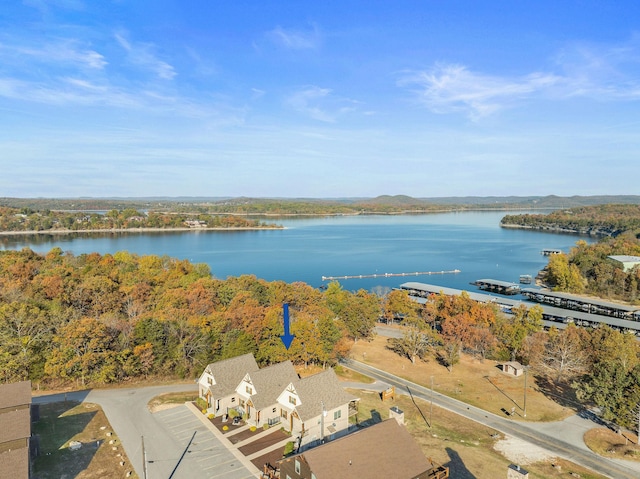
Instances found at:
x=269 y=382
x=318 y=389
x=229 y=372
x=383 y=450
x=15 y=394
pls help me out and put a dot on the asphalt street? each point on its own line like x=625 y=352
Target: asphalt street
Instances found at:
x=563 y=439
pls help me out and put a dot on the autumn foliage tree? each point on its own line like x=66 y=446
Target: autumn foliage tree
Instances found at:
x=103 y=318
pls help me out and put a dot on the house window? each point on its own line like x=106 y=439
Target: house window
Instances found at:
x=233 y=399
x=297 y=466
x=249 y=390
x=283 y=413
x=210 y=381
x=273 y=410
x=292 y=400
x=337 y=414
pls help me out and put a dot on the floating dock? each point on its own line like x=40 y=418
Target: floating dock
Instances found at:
x=501 y=287
x=549 y=252
x=388 y=275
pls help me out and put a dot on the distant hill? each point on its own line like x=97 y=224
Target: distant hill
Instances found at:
x=383 y=203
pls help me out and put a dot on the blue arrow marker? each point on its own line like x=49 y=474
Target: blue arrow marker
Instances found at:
x=287 y=337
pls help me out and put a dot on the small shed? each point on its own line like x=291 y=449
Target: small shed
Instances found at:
x=512 y=367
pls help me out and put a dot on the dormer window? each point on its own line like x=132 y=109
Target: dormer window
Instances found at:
x=249 y=390
x=292 y=400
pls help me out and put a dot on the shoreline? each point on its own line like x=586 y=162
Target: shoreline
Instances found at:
x=137 y=230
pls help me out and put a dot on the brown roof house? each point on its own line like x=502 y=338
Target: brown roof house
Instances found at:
x=316 y=408
x=383 y=450
x=217 y=384
x=259 y=390
x=15 y=430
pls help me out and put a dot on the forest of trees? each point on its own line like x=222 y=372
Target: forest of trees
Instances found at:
x=26 y=219
x=106 y=318
x=587 y=269
x=601 y=220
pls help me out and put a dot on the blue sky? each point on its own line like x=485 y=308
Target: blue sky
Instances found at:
x=319 y=99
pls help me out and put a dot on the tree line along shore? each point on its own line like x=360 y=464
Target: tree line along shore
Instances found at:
x=28 y=221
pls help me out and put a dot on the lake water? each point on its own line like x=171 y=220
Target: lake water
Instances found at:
x=308 y=249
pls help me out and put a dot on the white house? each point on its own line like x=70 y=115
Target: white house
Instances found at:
x=217 y=384
x=313 y=409
x=258 y=392
x=316 y=408
x=627 y=262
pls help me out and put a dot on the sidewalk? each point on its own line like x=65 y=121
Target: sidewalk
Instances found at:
x=247 y=450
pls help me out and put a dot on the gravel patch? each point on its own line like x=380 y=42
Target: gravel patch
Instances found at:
x=521 y=452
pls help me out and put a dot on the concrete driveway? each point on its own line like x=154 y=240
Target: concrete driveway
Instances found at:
x=178 y=444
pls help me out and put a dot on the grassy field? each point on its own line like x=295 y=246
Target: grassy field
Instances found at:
x=63 y=422
x=475 y=382
x=171 y=399
x=607 y=443
x=464 y=446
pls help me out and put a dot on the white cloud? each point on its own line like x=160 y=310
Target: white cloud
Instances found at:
x=600 y=72
x=295 y=39
x=64 y=51
x=452 y=88
x=141 y=55
x=319 y=104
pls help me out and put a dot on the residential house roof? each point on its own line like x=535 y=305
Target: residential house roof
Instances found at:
x=15 y=429
x=15 y=394
x=383 y=450
x=228 y=373
x=318 y=390
x=15 y=424
x=269 y=382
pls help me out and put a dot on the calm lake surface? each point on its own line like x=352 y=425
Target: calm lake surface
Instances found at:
x=308 y=249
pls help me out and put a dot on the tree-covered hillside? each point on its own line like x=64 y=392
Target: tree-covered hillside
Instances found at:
x=100 y=319
x=606 y=219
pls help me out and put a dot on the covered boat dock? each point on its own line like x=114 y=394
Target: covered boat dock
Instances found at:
x=552 y=315
x=497 y=286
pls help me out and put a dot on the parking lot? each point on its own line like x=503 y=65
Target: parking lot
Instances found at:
x=204 y=455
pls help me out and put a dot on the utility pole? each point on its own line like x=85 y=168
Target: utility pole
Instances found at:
x=144 y=460
x=526 y=368
x=431 y=405
x=638 y=406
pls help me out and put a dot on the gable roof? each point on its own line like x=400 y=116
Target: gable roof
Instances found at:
x=15 y=394
x=317 y=390
x=269 y=382
x=228 y=373
x=385 y=449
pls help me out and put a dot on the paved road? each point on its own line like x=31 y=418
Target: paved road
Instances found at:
x=563 y=439
x=166 y=434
